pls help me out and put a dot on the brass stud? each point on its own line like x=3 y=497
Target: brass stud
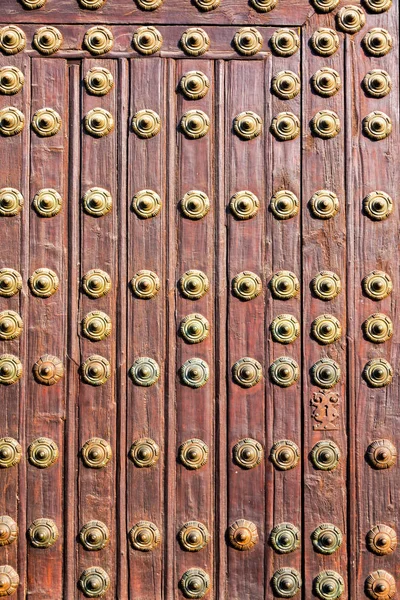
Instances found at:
x=145 y=284
x=244 y=205
x=286 y=582
x=326 y=538
x=325 y=41
x=326 y=329
x=99 y=122
x=325 y=6
x=144 y=453
x=48 y=370
x=248 y=453
x=378 y=372
x=325 y=455
x=378 y=6
x=47 y=40
x=94 y=535
x=195 y=41
x=194 y=284
x=43 y=533
x=380 y=585
x=377 y=285
x=10 y=452
x=193 y=454
x=193 y=536
x=12 y=39
x=11 y=80
x=145 y=536
x=95 y=370
x=94 y=582
x=195 y=124
x=10 y=369
x=195 y=205
x=43 y=453
x=92 y=4
x=43 y=283
x=350 y=19
x=285 y=126
x=11 y=202
x=378 y=328
x=285 y=329
x=46 y=122
x=328 y=585
x=96 y=453
x=147 y=40
x=96 y=283
x=10 y=282
x=47 y=203
x=377 y=42
x=377 y=83
x=146 y=204
x=326 y=285
x=286 y=85
x=194 y=373
x=284 y=205
x=145 y=371
x=324 y=204
x=146 y=123
x=381 y=540
x=12 y=121
x=325 y=373
x=9 y=580
x=248 y=125
x=377 y=125
x=149 y=4
x=98 y=40
x=284 y=371
x=243 y=535
x=194 y=328
x=99 y=81
x=284 y=285
x=381 y=454
x=263 y=6
x=195 y=583
x=96 y=325
x=285 y=42
x=8 y=531
x=285 y=538
x=325 y=124
x=207 y=5
x=33 y=4
x=326 y=82
x=246 y=285
x=248 y=41
x=194 y=85
x=285 y=455
x=247 y=372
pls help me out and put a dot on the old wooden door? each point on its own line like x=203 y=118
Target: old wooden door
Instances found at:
x=199 y=273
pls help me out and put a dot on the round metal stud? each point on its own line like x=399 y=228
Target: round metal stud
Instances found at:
x=10 y=452
x=285 y=42
x=325 y=373
x=247 y=125
x=326 y=82
x=326 y=538
x=324 y=204
x=284 y=205
x=325 y=6
x=147 y=40
x=47 y=203
x=11 y=202
x=380 y=585
x=377 y=285
x=248 y=453
x=285 y=329
x=247 y=372
x=144 y=453
x=378 y=328
x=377 y=83
x=9 y=580
x=248 y=41
x=285 y=538
x=10 y=369
x=194 y=328
x=43 y=283
x=246 y=285
x=195 y=124
x=350 y=19
x=145 y=284
x=381 y=540
x=194 y=284
x=381 y=454
x=284 y=285
x=378 y=372
x=12 y=121
x=377 y=6
x=8 y=531
x=149 y=4
x=146 y=123
x=98 y=40
x=286 y=582
x=326 y=329
x=325 y=41
x=96 y=370
x=284 y=371
x=96 y=283
x=47 y=40
x=43 y=533
x=325 y=124
x=12 y=39
x=94 y=535
x=98 y=81
x=328 y=585
x=285 y=126
x=378 y=205
x=326 y=285
x=92 y=4
x=99 y=122
x=195 y=583
x=285 y=455
x=193 y=536
x=263 y=5
x=145 y=536
x=325 y=455
x=46 y=122
x=43 y=453
x=146 y=204
x=10 y=325
x=243 y=535
x=10 y=282
x=194 y=85
x=11 y=80
x=206 y=5
x=286 y=85
x=377 y=125
x=194 y=373
x=193 y=454
x=144 y=371
x=97 y=202
x=96 y=326
x=377 y=42
x=96 y=453
x=94 y=582
x=195 y=205
x=33 y=4
x=195 y=41
x=48 y=370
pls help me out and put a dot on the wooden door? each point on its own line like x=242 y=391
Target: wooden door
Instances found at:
x=198 y=299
